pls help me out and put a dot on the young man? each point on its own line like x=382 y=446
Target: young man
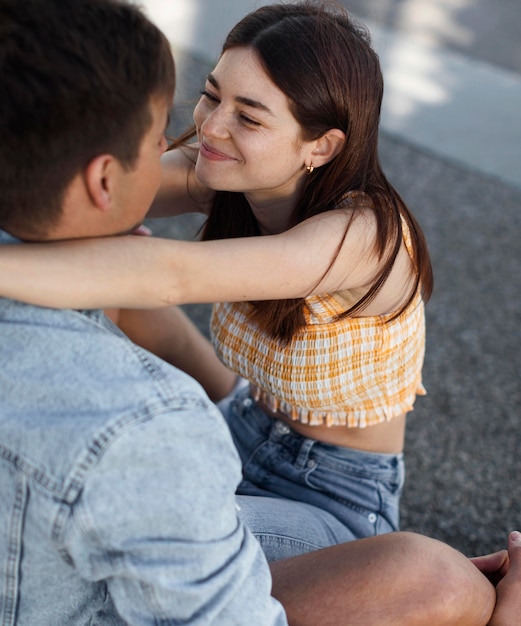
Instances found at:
x=107 y=453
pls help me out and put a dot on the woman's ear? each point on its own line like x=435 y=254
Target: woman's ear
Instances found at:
x=327 y=147
x=99 y=179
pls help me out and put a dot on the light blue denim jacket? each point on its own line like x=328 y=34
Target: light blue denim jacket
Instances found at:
x=117 y=481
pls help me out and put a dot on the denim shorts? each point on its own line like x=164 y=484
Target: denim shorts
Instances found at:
x=359 y=489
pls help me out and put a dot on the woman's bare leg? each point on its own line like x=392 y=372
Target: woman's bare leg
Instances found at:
x=398 y=579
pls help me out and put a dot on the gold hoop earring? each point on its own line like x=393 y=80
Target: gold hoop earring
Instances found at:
x=309 y=169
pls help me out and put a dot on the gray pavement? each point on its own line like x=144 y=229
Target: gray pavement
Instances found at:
x=451 y=144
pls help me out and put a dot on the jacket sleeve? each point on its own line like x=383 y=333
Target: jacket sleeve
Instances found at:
x=157 y=520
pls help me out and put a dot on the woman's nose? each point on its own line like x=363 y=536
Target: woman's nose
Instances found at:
x=215 y=124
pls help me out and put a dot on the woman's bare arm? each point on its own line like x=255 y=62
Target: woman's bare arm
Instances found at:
x=170 y=334
x=145 y=272
x=180 y=191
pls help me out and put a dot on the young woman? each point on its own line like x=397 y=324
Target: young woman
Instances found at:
x=318 y=269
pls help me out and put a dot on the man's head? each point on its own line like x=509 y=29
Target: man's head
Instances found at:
x=79 y=79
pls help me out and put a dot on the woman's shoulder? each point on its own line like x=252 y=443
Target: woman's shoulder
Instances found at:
x=354 y=207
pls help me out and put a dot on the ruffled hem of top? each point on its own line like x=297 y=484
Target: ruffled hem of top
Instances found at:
x=357 y=418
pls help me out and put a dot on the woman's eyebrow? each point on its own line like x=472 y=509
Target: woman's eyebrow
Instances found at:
x=242 y=99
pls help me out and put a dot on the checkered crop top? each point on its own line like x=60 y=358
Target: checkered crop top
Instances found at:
x=354 y=372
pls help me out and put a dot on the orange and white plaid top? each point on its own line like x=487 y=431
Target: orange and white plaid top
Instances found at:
x=354 y=372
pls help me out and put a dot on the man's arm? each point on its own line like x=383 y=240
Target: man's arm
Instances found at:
x=397 y=579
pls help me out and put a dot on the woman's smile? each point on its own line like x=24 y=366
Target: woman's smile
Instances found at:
x=212 y=154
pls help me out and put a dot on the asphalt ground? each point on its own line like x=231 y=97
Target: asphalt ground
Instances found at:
x=463 y=440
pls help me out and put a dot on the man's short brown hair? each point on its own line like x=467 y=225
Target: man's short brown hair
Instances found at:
x=76 y=79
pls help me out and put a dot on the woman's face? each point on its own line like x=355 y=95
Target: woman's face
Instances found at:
x=249 y=140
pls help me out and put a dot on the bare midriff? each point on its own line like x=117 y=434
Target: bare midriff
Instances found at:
x=386 y=437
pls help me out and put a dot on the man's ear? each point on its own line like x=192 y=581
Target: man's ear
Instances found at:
x=99 y=180
x=327 y=147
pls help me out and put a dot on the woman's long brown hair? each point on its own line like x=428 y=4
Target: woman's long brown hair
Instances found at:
x=323 y=61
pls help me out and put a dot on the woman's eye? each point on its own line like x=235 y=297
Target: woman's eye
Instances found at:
x=209 y=95
x=215 y=100
x=247 y=120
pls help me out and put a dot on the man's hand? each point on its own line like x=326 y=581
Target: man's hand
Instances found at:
x=504 y=570
x=493 y=566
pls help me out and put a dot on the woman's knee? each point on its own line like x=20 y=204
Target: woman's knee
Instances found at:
x=447 y=585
